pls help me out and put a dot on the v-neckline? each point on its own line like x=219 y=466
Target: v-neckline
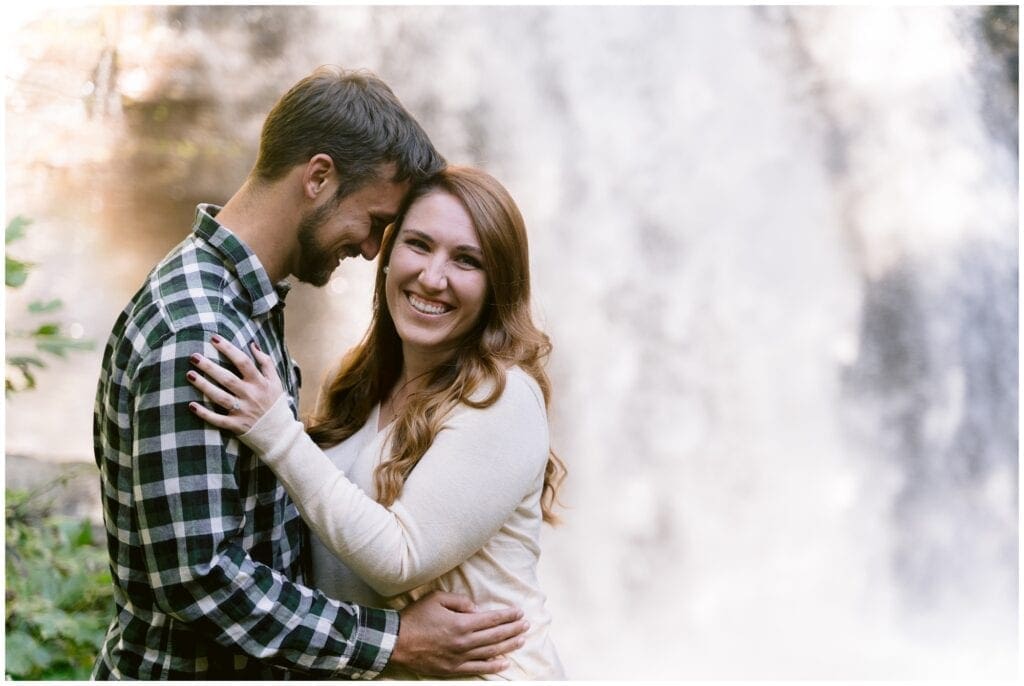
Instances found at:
x=375 y=418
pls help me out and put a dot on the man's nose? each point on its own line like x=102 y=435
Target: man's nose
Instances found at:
x=370 y=247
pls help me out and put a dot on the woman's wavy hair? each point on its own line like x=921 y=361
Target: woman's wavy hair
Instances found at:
x=504 y=336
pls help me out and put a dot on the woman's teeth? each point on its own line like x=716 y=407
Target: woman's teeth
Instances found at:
x=425 y=306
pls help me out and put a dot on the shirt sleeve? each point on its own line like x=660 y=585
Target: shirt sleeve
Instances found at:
x=475 y=474
x=191 y=520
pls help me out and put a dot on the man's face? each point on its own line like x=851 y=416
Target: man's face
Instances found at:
x=353 y=227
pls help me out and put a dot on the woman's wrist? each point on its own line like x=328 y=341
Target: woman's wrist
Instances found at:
x=270 y=426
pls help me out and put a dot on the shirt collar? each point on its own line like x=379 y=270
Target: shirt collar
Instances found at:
x=240 y=259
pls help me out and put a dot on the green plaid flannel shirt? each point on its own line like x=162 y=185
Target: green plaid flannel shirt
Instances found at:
x=204 y=541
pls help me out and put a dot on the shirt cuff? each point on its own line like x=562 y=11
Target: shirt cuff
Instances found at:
x=273 y=425
x=373 y=643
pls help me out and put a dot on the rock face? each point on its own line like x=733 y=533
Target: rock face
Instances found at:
x=73 y=488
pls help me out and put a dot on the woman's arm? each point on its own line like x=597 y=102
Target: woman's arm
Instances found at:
x=464 y=488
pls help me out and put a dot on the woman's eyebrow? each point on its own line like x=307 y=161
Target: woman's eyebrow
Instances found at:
x=427 y=237
x=419 y=234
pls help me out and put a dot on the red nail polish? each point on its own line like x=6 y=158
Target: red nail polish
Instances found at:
x=216 y=338
x=191 y=376
x=257 y=346
x=192 y=406
x=194 y=358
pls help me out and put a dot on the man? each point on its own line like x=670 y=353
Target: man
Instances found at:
x=204 y=542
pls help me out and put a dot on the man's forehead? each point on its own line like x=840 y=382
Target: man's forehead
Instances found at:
x=391 y=197
x=385 y=176
x=385 y=194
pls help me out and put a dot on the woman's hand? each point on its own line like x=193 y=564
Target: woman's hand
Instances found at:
x=246 y=399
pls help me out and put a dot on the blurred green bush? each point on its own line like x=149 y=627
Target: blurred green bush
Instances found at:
x=59 y=592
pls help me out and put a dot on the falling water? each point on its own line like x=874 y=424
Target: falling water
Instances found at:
x=776 y=250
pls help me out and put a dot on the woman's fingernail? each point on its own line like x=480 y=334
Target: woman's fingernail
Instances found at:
x=193 y=407
x=191 y=376
x=216 y=338
x=257 y=346
x=194 y=358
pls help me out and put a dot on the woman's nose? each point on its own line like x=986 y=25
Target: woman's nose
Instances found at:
x=433 y=274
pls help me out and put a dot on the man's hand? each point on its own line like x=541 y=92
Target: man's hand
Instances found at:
x=441 y=634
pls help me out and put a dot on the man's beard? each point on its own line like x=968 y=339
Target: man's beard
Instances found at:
x=316 y=262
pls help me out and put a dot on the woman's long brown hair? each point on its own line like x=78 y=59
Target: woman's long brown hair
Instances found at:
x=505 y=336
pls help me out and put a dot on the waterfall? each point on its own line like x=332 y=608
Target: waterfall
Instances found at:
x=775 y=248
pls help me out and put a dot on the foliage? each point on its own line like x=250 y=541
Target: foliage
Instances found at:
x=47 y=337
x=59 y=594
x=59 y=591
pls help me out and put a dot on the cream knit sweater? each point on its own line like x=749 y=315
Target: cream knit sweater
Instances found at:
x=467 y=520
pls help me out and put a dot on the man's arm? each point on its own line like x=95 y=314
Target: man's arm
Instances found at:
x=191 y=520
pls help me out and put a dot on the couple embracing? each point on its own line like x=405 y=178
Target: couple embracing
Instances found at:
x=396 y=532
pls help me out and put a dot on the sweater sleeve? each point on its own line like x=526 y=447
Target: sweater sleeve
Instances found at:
x=478 y=470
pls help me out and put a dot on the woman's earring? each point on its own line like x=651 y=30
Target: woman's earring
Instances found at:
x=387 y=268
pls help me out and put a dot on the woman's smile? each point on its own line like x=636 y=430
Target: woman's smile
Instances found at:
x=426 y=306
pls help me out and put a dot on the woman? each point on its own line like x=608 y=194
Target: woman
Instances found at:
x=435 y=471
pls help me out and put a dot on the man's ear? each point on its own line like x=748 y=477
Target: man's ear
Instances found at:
x=319 y=175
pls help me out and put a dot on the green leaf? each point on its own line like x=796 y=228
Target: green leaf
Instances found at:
x=84 y=535
x=59 y=345
x=40 y=307
x=25 y=654
x=15 y=272
x=48 y=329
x=25 y=361
x=53 y=624
x=85 y=633
x=16 y=229
x=48 y=585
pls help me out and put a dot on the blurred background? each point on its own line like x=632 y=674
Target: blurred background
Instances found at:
x=776 y=250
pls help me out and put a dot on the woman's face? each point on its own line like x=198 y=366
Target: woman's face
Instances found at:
x=436 y=284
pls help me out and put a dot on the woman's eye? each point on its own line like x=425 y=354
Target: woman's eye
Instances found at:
x=416 y=243
x=467 y=261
